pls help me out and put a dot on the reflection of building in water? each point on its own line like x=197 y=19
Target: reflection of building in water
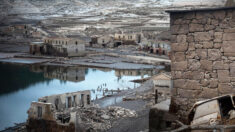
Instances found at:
x=120 y=73
x=75 y=74
x=37 y=68
x=103 y=69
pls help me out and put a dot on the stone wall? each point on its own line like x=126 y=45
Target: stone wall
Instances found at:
x=230 y=3
x=203 y=54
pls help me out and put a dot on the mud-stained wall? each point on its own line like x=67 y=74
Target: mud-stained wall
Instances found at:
x=203 y=56
x=40 y=110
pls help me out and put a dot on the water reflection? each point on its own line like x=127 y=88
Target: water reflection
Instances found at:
x=15 y=77
x=74 y=74
x=20 y=85
x=142 y=73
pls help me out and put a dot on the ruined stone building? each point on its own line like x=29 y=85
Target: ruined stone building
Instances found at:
x=36 y=48
x=116 y=40
x=127 y=38
x=161 y=48
x=162 y=80
x=203 y=54
x=59 y=47
x=105 y=41
x=21 y=31
x=102 y=41
x=57 y=113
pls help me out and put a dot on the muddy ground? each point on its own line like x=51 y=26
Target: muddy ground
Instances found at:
x=119 y=58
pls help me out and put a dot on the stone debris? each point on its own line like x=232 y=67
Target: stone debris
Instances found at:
x=121 y=112
x=106 y=117
x=97 y=119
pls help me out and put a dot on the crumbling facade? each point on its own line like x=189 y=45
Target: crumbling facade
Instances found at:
x=68 y=100
x=58 y=112
x=127 y=38
x=36 y=48
x=73 y=112
x=203 y=43
x=105 y=41
x=161 y=48
x=102 y=41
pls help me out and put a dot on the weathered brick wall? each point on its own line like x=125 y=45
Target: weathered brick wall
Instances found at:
x=203 y=56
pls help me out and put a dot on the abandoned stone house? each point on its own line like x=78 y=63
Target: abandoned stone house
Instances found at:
x=162 y=83
x=162 y=80
x=57 y=112
x=161 y=48
x=202 y=43
x=126 y=38
x=59 y=47
x=68 y=100
x=18 y=31
x=35 y=48
x=102 y=41
x=22 y=31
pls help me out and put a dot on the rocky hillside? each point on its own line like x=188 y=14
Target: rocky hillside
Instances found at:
x=75 y=16
x=78 y=7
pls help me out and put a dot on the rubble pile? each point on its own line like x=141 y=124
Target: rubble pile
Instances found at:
x=97 y=119
x=118 y=112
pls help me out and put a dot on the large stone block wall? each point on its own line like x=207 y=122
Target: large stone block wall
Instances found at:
x=203 y=56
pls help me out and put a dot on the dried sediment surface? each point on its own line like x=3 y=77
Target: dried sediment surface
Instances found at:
x=104 y=58
x=123 y=58
x=109 y=62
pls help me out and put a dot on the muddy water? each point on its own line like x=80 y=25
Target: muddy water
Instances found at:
x=20 y=85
